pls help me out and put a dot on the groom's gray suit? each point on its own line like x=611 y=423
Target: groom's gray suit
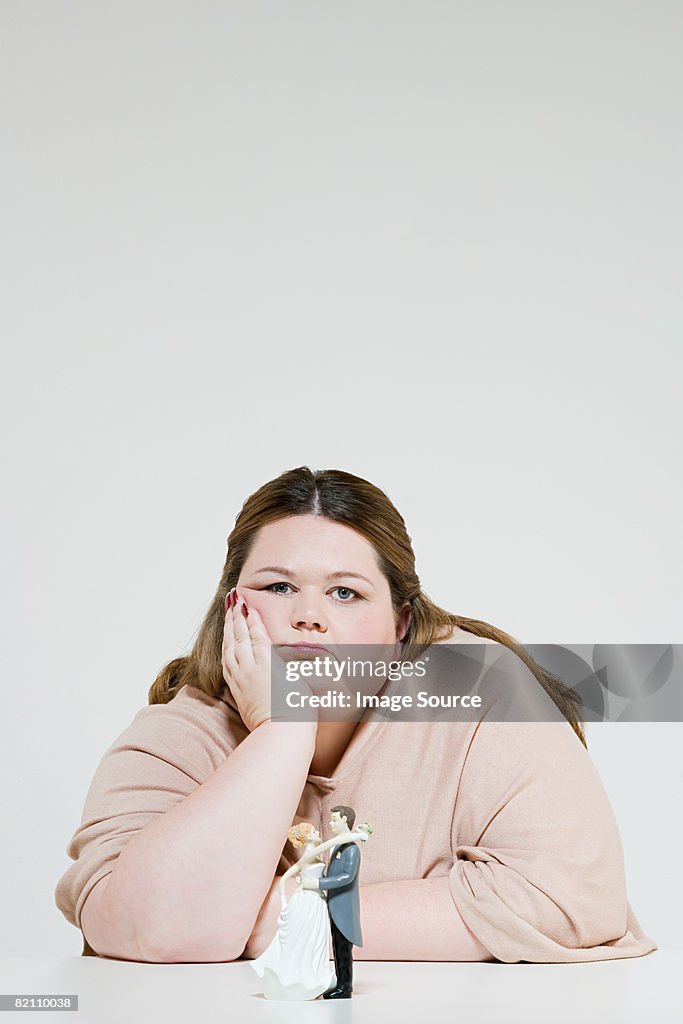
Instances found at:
x=341 y=883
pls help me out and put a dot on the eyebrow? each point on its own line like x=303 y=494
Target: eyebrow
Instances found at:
x=282 y=571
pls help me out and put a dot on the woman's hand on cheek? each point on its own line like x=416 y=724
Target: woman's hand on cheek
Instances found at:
x=246 y=660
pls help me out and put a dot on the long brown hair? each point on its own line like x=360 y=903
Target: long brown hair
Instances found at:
x=354 y=502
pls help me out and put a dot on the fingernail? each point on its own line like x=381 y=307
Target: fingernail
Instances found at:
x=245 y=610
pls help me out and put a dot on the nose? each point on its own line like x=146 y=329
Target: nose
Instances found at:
x=307 y=615
x=310 y=623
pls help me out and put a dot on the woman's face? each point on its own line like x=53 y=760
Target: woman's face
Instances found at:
x=316 y=581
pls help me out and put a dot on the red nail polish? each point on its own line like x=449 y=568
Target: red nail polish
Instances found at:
x=245 y=610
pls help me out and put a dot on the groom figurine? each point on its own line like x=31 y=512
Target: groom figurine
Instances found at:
x=341 y=883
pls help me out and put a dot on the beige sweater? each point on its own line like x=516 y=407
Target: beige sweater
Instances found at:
x=513 y=815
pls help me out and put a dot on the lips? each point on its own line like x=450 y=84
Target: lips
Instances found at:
x=308 y=647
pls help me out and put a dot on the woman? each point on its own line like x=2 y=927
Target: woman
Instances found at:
x=496 y=840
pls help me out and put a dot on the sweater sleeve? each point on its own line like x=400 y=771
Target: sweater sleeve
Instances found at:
x=538 y=872
x=160 y=758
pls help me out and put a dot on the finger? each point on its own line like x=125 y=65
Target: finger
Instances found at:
x=260 y=639
x=263 y=650
x=242 y=641
x=228 y=647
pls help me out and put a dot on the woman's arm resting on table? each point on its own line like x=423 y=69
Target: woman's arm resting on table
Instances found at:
x=411 y=919
x=109 y=934
x=414 y=919
x=187 y=888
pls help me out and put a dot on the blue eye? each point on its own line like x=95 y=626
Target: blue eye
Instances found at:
x=356 y=595
x=276 y=585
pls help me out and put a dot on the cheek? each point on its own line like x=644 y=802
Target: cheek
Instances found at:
x=269 y=612
x=377 y=628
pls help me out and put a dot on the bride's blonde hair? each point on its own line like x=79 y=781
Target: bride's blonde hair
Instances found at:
x=301 y=834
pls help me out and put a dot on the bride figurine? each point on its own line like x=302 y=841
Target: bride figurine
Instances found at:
x=296 y=964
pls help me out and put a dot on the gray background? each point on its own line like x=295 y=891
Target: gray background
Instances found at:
x=433 y=244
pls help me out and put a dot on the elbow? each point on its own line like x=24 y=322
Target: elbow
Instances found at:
x=110 y=931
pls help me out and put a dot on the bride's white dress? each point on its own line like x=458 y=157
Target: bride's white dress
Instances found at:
x=296 y=964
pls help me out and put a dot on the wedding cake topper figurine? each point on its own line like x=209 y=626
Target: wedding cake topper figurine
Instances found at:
x=296 y=964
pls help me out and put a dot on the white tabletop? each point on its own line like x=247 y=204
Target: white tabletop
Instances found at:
x=631 y=991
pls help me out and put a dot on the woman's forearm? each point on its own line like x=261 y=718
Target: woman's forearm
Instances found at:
x=410 y=919
x=189 y=886
x=414 y=919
